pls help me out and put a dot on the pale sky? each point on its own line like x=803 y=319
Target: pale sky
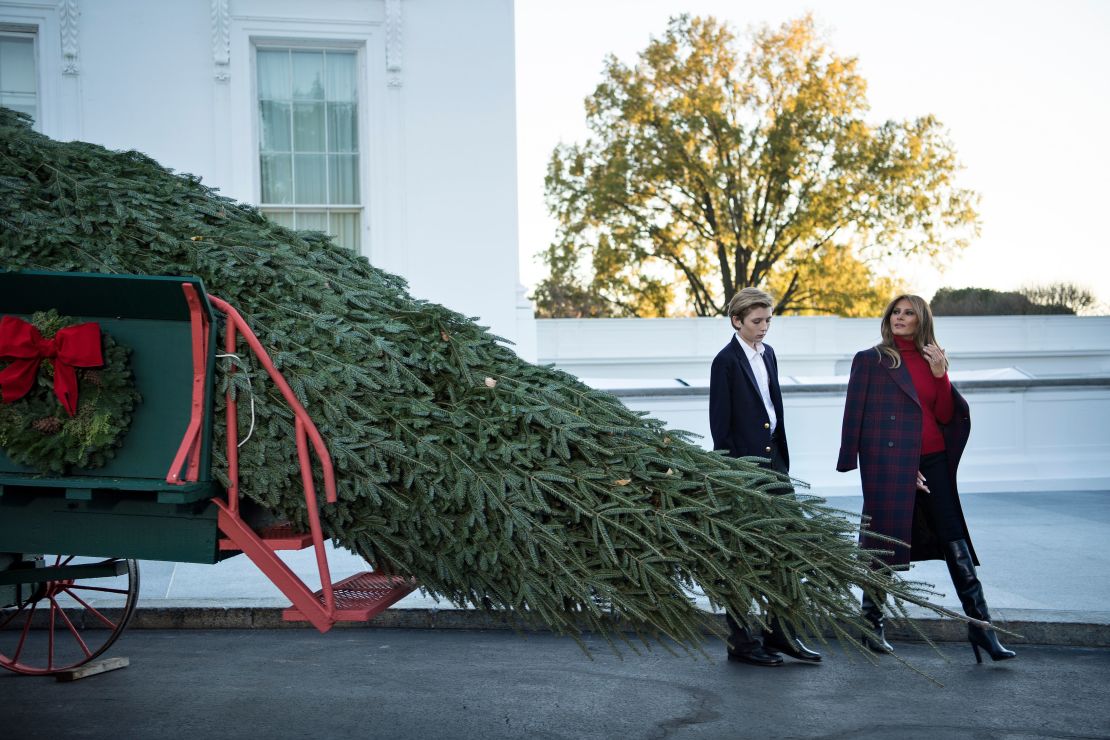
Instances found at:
x=1022 y=87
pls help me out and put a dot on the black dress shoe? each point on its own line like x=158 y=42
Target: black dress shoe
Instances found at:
x=756 y=656
x=791 y=646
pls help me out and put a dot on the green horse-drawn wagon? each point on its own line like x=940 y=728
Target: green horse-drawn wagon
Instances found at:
x=134 y=482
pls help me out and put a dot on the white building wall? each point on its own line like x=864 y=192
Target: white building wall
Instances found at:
x=460 y=173
x=145 y=81
x=175 y=79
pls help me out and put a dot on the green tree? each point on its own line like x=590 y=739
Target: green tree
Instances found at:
x=1075 y=298
x=706 y=172
x=987 y=302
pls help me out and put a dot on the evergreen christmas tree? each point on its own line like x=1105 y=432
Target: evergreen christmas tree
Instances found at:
x=489 y=480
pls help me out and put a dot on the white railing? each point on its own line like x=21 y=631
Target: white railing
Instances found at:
x=1026 y=435
x=1038 y=386
x=820 y=346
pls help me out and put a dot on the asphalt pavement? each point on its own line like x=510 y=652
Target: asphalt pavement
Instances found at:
x=1045 y=567
x=399 y=684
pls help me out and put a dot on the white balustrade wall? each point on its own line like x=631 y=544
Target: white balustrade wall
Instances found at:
x=1039 y=388
x=1043 y=346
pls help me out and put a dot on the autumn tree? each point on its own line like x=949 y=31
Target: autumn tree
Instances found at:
x=707 y=171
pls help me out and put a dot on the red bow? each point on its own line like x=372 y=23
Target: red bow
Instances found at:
x=71 y=348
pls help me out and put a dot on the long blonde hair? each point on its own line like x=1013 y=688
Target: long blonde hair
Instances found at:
x=887 y=348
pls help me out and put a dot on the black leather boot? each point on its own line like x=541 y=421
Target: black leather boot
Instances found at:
x=962 y=569
x=744 y=647
x=779 y=640
x=873 y=615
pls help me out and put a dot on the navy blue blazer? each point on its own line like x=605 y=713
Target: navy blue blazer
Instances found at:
x=738 y=419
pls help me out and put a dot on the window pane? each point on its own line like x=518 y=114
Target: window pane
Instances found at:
x=308 y=75
x=312 y=220
x=274 y=121
x=310 y=178
x=343 y=179
x=308 y=140
x=308 y=127
x=273 y=75
x=18 y=101
x=344 y=227
x=342 y=127
x=342 y=80
x=17 y=65
x=277 y=178
x=30 y=110
x=281 y=218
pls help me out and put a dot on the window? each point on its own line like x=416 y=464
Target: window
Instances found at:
x=18 y=88
x=308 y=140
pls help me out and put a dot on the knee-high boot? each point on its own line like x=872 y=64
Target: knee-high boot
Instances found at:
x=962 y=569
x=873 y=615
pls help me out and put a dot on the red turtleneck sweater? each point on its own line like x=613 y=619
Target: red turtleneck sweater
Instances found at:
x=934 y=394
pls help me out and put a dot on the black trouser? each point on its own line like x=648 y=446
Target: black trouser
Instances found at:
x=778 y=462
x=742 y=637
x=940 y=503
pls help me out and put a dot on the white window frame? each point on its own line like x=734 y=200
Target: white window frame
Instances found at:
x=367 y=38
x=326 y=208
x=23 y=31
x=59 y=103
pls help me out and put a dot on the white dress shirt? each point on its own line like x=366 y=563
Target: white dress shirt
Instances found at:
x=759 y=369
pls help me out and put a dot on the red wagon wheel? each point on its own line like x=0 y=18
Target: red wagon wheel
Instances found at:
x=63 y=623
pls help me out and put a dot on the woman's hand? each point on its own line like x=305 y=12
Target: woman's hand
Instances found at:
x=921 y=483
x=938 y=361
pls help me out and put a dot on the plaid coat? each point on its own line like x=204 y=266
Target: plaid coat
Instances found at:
x=882 y=427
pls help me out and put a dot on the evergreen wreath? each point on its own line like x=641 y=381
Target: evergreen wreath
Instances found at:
x=37 y=432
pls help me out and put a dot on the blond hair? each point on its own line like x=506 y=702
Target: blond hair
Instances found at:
x=924 y=335
x=747 y=299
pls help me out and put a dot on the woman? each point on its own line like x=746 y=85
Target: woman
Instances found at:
x=908 y=427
